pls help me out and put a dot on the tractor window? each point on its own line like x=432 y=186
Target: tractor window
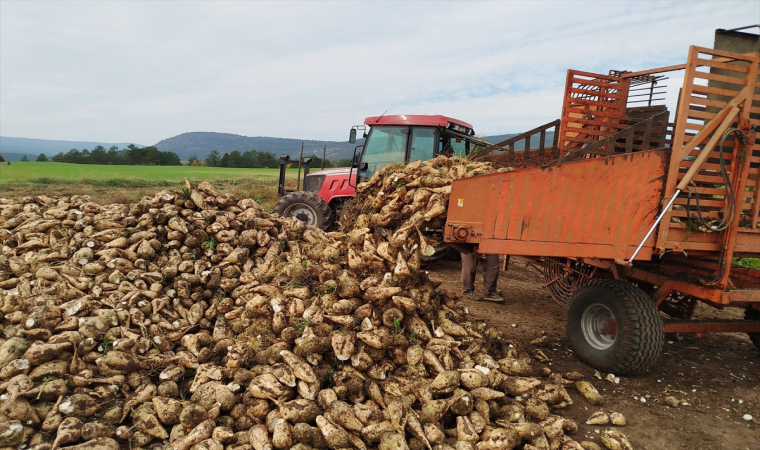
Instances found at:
x=452 y=146
x=385 y=145
x=423 y=147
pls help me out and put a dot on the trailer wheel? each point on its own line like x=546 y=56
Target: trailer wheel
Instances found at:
x=307 y=207
x=614 y=327
x=753 y=314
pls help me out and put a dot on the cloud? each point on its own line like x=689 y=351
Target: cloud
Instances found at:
x=145 y=71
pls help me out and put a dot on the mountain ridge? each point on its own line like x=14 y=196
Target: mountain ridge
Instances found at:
x=201 y=143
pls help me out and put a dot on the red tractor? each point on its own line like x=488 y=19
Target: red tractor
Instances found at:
x=388 y=139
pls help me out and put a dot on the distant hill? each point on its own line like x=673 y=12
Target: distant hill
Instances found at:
x=201 y=144
x=25 y=146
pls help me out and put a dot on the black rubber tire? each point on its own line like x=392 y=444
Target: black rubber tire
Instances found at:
x=639 y=338
x=314 y=211
x=753 y=314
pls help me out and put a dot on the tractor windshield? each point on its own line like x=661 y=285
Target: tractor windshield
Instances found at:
x=385 y=145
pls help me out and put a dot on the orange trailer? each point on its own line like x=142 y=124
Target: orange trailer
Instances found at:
x=628 y=225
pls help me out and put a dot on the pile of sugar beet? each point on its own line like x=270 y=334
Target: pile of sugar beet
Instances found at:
x=194 y=320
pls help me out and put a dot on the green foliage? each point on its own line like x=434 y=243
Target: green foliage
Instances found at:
x=45 y=381
x=42 y=158
x=132 y=155
x=397 y=329
x=2 y=159
x=751 y=263
x=249 y=159
x=104 y=345
x=212 y=160
x=328 y=290
x=24 y=159
x=316 y=162
x=210 y=243
x=346 y=162
x=302 y=326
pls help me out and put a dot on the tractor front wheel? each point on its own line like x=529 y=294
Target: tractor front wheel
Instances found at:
x=614 y=327
x=307 y=207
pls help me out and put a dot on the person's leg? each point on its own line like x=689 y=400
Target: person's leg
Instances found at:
x=490 y=272
x=490 y=277
x=469 y=264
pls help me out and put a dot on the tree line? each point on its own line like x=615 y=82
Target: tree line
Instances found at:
x=132 y=155
x=254 y=159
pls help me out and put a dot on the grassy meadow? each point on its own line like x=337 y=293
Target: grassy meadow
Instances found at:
x=108 y=184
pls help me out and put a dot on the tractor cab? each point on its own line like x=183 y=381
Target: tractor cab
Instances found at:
x=388 y=139
x=406 y=138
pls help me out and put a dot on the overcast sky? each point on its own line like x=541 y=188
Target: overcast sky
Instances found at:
x=145 y=71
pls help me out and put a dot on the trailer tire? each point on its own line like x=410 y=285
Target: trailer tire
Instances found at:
x=306 y=206
x=606 y=306
x=753 y=314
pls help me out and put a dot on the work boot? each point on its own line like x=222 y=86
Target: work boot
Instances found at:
x=471 y=295
x=494 y=296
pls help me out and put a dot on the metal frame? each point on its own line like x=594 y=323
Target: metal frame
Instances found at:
x=595 y=226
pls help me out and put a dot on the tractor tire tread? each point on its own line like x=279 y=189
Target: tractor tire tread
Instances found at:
x=642 y=343
x=321 y=208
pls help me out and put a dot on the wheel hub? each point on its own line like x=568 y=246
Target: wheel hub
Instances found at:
x=303 y=214
x=599 y=326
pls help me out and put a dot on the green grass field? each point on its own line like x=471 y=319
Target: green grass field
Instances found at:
x=129 y=183
x=62 y=172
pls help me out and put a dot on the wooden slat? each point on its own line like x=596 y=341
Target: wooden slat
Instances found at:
x=704 y=202
x=707 y=90
x=579 y=140
x=611 y=122
x=700 y=115
x=591 y=132
x=612 y=84
x=721 y=65
x=595 y=93
x=693 y=126
x=703 y=101
x=629 y=140
x=722 y=78
x=602 y=103
x=705 y=214
x=651 y=71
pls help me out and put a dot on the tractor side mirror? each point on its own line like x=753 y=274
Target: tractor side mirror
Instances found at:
x=363 y=166
x=352 y=136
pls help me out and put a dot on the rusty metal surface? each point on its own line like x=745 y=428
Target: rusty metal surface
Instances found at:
x=644 y=135
x=509 y=144
x=714 y=326
x=726 y=75
x=597 y=208
x=592 y=109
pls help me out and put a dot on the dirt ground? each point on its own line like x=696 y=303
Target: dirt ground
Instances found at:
x=717 y=375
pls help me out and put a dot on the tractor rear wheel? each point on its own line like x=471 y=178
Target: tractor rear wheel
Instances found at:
x=307 y=207
x=614 y=327
x=753 y=314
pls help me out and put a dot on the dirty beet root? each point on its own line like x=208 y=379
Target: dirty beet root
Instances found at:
x=195 y=320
